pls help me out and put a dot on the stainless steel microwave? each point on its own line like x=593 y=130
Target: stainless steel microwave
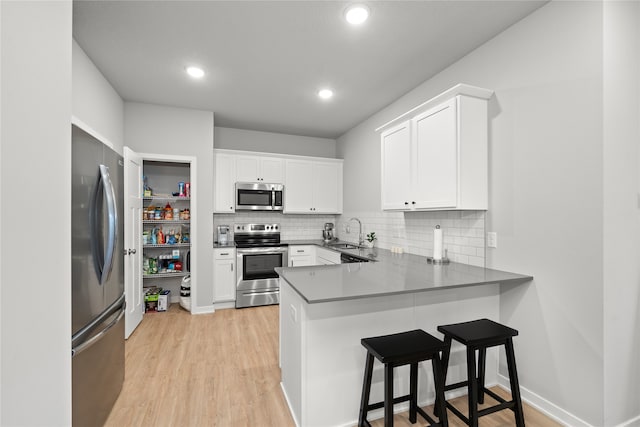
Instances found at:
x=258 y=196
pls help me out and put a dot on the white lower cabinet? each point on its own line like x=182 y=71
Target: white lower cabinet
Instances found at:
x=327 y=257
x=224 y=274
x=302 y=255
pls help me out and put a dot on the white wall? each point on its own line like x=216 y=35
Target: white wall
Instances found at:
x=546 y=193
x=621 y=208
x=95 y=102
x=178 y=131
x=35 y=174
x=268 y=142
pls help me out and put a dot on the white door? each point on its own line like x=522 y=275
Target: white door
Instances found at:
x=298 y=196
x=224 y=185
x=247 y=169
x=436 y=179
x=326 y=180
x=396 y=168
x=133 y=241
x=272 y=170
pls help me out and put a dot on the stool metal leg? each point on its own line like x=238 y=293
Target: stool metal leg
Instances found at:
x=413 y=393
x=482 y=359
x=388 y=395
x=366 y=390
x=515 y=385
x=472 y=387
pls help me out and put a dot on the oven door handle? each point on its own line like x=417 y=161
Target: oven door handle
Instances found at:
x=279 y=250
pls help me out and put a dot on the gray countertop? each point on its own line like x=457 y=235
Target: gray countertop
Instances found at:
x=392 y=274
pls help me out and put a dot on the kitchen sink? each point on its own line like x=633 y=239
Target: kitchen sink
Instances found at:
x=344 y=246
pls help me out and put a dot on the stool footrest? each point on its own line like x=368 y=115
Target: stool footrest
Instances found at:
x=496 y=408
x=456 y=385
x=379 y=405
x=495 y=396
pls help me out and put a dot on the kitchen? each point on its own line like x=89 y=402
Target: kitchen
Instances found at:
x=563 y=172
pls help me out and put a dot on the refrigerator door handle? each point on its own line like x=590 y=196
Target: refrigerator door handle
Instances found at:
x=105 y=186
x=119 y=304
x=85 y=345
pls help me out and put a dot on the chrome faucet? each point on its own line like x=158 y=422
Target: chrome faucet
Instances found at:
x=360 y=236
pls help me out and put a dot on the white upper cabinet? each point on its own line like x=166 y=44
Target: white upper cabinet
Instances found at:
x=396 y=175
x=313 y=187
x=435 y=157
x=259 y=169
x=224 y=185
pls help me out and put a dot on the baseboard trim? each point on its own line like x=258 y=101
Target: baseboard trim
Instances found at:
x=207 y=309
x=633 y=422
x=543 y=405
x=286 y=398
x=224 y=305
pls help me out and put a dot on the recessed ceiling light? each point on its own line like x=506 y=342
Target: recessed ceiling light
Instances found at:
x=325 y=93
x=195 y=72
x=356 y=14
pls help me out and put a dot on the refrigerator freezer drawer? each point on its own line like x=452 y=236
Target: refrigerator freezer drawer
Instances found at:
x=97 y=375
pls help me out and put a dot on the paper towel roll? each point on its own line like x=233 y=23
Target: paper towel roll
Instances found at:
x=437 y=243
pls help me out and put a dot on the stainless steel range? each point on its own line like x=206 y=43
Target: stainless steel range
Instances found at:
x=259 y=252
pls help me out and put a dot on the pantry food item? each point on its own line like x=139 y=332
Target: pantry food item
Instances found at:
x=168 y=212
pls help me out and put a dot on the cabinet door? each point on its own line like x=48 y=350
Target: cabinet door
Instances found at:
x=224 y=279
x=247 y=169
x=272 y=170
x=224 y=186
x=327 y=187
x=435 y=157
x=301 y=261
x=298 y=187
x=396 y=168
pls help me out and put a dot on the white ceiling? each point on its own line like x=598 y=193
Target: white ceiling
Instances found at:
x=265 y=60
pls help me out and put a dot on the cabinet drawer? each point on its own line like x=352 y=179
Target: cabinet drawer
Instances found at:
x=228 y=253
x=300 y=250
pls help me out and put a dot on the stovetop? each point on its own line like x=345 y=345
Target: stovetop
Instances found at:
x=256 y=235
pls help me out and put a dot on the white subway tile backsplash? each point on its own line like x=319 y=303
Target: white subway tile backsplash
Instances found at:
x=464 y=231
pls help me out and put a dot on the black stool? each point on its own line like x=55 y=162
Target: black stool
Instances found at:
x=405 y=348
x=480 y=335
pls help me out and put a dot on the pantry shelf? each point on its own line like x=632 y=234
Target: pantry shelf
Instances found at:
x=165 y=275
x=167 y=198
x=166 y=221
x=167 y=246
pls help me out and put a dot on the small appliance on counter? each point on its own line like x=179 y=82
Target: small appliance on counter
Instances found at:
x=223 y=235
x=327 y=233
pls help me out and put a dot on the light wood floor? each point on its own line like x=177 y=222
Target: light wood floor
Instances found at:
x=222 y=370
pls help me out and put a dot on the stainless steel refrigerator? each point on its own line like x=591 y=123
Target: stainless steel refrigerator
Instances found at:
x=97 y=279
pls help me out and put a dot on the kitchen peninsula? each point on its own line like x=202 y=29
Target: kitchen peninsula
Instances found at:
x=326 y=310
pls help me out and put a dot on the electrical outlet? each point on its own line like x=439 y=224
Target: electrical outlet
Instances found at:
x=492 y=239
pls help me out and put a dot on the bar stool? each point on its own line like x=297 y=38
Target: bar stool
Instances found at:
x=405 y=348
x=480 y=335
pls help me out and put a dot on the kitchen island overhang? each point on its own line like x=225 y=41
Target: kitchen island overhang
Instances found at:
x=326 y=310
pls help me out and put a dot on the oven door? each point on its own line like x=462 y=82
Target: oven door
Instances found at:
x=257 y=282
